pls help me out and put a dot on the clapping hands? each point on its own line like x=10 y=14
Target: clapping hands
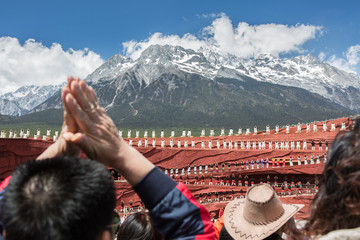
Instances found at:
x=88 y=127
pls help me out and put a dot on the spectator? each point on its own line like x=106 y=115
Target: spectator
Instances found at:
x=175 y=212
x=336 y=206
x=58 y=198
x=260 y=215
x=138 y=226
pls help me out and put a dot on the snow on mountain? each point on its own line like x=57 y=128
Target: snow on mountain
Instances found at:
x=309 y=73
x=125 y=75
x=9 y=107
x=114 y=66
x=153 y=62
x=306 y=72
x=25 y=99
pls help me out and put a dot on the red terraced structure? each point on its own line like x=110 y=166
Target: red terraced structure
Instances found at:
x=14 y=151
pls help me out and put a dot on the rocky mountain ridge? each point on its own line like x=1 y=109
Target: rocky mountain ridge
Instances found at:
x=170 y=84
x=306 y=72
x=26 y=98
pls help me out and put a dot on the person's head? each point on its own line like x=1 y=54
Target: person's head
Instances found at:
x=138 y=226
x=224 y=235
x=261 y=215
x=337 y=203
x=58 y=198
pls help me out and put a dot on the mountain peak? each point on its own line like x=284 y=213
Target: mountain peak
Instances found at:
x=265 y=56
x=308 y=59
x=306 y=72
x=127 y=77
x=111 y=68
x=26 y=98
x=167 y=54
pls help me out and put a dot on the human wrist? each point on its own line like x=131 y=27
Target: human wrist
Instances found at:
x=131 y=163
x=52 y=151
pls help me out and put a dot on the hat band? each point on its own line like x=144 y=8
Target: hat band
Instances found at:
x=264 y=223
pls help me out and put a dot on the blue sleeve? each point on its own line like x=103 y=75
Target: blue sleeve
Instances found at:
x=175 y=212
x=154 y=187
x=1 y=225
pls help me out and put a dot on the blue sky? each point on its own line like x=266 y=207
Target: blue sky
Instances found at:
x=96 y=30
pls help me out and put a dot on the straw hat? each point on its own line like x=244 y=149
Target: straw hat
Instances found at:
x=259 y=215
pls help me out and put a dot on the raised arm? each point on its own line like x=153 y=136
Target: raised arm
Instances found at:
x=98 y=136
x=61 y=147
x=175 y=212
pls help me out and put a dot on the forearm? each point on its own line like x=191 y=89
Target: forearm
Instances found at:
x=99 y=137
x=131 y=164
x=58 y=149
x=175 y=212
x=51 y=151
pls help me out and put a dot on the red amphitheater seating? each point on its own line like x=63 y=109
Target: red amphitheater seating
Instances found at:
x=15 y=151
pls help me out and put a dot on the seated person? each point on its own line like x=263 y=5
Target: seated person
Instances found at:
x=138 y=226
x=336 y=207
x=260 y=215
x=45 y=197
x=88 y=127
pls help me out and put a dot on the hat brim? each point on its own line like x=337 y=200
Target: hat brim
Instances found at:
x=239 y=228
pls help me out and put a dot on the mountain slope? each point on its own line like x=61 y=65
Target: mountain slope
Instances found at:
x=306 y=72
x=25 y=99
x=183 y=99
x=173 y=86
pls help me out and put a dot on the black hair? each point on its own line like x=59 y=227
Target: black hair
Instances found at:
x=336 y=205
x=224 y=235
x=138 y=226
x=58 y=198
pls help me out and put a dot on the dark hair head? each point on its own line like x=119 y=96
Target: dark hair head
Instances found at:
x=224 y=235
x=59 y=198
x=337 y=204
x=138 y=226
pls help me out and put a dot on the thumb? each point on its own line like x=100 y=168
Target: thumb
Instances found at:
x=82 y=141
x=78 y=139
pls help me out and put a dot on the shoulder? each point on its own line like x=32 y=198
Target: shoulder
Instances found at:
x=342 y=234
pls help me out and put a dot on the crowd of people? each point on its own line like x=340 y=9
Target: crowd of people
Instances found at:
x=187 y=143
x=60 y=196
x=232 y=144
x=244 y=165
x=208 y=144
x=188 y=133
x=229 y=188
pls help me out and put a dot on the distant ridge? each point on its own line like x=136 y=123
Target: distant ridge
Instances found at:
x=173 y=86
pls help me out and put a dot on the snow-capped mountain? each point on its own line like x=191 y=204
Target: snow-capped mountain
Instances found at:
x=25 y=99
x=123 y=80
x=306 y=72
x=309 y=73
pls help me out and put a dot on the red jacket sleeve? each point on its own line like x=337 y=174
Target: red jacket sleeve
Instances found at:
x=176 y=213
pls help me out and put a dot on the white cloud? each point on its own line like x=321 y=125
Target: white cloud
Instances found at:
x=133 y=48
x=322 y=56
x=350 y=62
x=353 y=55
x=211 y=15
x=243 y=40
x=184 y=19
x=34 y=63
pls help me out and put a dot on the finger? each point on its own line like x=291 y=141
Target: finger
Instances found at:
x=77 y=138
x=69 y=121
x=93 y=94
x=80 y=96
x=83 y=142
x=79 y=115
x=90 y=96
x=95 y=112
x=70 y=79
